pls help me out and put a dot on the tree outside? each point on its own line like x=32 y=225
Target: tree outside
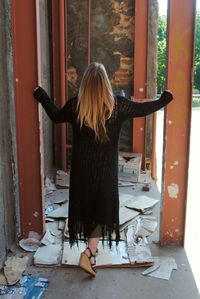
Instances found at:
x=161 y=74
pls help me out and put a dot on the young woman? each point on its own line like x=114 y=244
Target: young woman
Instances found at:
x=96 y=116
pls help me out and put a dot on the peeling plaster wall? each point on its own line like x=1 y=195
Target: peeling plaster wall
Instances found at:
x=9 y=208
x=45 y=80
x=112 y=36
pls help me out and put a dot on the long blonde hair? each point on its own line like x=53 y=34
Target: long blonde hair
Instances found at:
x=95 y=100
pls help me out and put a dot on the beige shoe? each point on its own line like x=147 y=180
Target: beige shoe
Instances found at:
x=85 y=263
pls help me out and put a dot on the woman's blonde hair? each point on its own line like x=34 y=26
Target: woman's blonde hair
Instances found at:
x=95 y=100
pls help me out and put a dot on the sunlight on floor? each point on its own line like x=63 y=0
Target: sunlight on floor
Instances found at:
x=192 y=233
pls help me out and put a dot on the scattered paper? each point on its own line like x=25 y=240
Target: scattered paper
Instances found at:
x=28 y=287
x=126 y=214
x=48 y=255
x=142 y=226
x=62 y=178
x=162 y=268
x=124 y=198
x=125 y=184
x=142 y=203
x=61 y=212
x=139 y=251
x=59 y=196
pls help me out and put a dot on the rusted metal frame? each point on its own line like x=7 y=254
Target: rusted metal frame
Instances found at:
x=59 y=59
x=28 y=127
x=56 y=78
x=62 y=79
x=140 y=67
x=178 y=115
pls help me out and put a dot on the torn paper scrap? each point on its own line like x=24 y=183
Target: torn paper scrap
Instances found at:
x=139 y=251
x=126 y=214
x=61 y=212
x=125 y=184
x=14 y=267
x=48 y=255
x=62 y=178
x=165 y=265
x=142 y=203
x=142 y=226
x=124 y=198
x=71 y=255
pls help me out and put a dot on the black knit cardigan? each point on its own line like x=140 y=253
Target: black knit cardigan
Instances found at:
x=93 y=193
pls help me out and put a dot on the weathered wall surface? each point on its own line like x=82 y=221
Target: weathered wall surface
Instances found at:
x=151 y=68
x=9 y=219
x=45 y=77
x=112 y=36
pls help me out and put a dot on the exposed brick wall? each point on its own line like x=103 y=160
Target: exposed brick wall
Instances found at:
x=112 y=36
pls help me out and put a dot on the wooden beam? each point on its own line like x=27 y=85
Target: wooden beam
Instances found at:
x=140 y=70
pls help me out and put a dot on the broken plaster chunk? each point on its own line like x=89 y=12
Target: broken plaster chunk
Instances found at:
x=63 y=178
x=29 y=244
x=52 y=237
x=173 y=190
x=48 y=255
x=61 y=212
x=49 y=186
x=14 y=268
x=57 y=197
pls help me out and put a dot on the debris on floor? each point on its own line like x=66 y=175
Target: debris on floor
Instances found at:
x=31 y=243
x=106 y=257
x=62 y=178
x=48 y=255
x=14 y=268
x=129 y=166
x=162 y=268
x=28 y=287
x=60 y=212
x=49 y=186
x=136 y=225
x=141 y=203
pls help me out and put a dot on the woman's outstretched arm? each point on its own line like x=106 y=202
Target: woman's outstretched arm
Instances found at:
x=129 y=108
x=57 y=115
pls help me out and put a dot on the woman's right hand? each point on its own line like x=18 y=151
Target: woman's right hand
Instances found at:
x=38 y=93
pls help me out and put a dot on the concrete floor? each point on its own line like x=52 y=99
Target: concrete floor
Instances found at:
x=73 y=283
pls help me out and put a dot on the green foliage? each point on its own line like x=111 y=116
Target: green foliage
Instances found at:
x=162 y=27
x=162 y=31
x=197 y=54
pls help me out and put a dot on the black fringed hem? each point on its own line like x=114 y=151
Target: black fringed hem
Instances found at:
x=81 y=232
